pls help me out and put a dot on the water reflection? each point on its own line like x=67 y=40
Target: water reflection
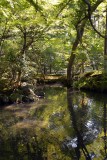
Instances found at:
x=66 y=125
x=105 y=129
x=91 y=133
x=79 y=143
x=18 y=139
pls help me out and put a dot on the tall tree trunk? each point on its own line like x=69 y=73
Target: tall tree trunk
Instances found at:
x=70 y=64
x=50 y=69
x=105 y=47
x=80 y=31
x=22 y=54
x=19 y=77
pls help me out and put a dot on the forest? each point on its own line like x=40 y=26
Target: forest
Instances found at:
x=53 y=80
x=45 y=41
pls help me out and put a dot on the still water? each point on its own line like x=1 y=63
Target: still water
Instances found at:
x=65 y=125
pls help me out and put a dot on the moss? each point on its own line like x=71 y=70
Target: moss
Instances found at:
x=93 y=81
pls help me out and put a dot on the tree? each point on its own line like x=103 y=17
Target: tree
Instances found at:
x=80 y=25
x=99 y=33
x=40 y=34
x=20 y=31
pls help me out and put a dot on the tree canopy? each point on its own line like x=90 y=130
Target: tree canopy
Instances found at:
x=39 y=37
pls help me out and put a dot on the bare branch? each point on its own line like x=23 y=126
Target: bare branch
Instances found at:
x=90 y=10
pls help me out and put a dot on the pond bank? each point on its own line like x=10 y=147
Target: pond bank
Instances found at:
x=53 y=79
x=92 y=81
x=28 y=92
x=18 y=95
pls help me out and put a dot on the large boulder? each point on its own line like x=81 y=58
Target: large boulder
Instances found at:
x=23 y=94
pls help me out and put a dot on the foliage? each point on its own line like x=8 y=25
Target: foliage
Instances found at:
x=37 y=37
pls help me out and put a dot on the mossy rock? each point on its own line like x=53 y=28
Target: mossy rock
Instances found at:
x=93 y=81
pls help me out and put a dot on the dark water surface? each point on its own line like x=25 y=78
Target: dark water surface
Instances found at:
x=65 y=125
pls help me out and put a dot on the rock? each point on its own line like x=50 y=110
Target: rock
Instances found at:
x=40 y=94
x=24 y=93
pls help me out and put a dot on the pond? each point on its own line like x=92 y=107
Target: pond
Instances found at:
x=65 y=125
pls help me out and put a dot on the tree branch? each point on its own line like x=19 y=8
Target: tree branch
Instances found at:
x=62 y=8
x=90 y=10
x=37 y=8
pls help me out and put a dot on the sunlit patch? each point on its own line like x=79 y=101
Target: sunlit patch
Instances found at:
x=21 y=125
x=21 y=114
x=17 y=106
x=53 y=1
x=27 y=124
x=12 y=107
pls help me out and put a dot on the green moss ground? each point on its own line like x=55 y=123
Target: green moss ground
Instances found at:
x=95 y=81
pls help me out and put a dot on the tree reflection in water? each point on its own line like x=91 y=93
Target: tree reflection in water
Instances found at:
x=19 y=147
x=105 y=129
x=80 y=141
